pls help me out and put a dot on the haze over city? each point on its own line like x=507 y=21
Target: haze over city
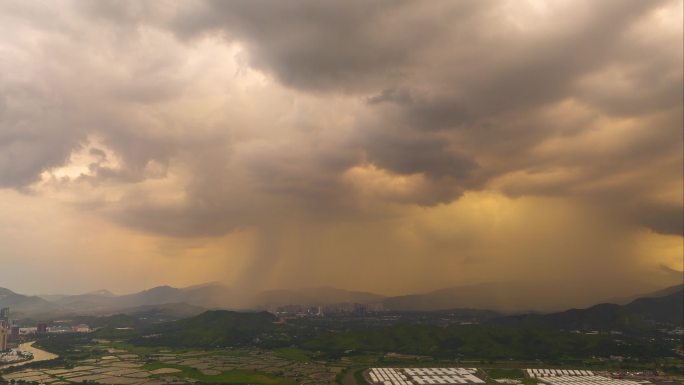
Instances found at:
x=390 y=147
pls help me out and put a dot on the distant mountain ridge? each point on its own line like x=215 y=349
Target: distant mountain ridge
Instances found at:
x=24 y=304
x=502 y=297
x=195 y=298
x=166 y=300
x=208 y=296
x=313 y=296
x=505 y=297
x=640 y=313
x=657 y=293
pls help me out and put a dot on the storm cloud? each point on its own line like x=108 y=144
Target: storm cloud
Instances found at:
x=327 y=134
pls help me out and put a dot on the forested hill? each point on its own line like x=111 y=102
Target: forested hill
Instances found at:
x=210 y=329
x=639 y=314
x=520 y=337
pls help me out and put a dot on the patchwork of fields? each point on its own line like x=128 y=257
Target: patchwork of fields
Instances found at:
x=165 y=367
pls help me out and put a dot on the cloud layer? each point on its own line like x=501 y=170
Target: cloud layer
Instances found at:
x=458 y=142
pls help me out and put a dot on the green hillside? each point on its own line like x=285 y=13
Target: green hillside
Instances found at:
x=482 y=342
x=640 y=314
x=210 y=329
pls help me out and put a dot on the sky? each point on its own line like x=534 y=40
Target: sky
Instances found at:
x=387 y=146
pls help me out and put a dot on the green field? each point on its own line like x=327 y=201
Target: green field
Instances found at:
x=229 y=377
x=130 y=348
x=293 y=354
x=505 y=373
x=358 y=377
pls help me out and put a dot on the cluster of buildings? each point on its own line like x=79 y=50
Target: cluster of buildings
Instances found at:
x=423 y=376
x=444 y=376
x=389 y=376
x=43 y=328
x=347 y=308
x=536 y=373
x=586 y=380
x=463 y=376
x=8 y=331
x=11 y=332
x=574 y=377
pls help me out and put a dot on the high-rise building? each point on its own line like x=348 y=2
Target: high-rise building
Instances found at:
x=4 y=336
x=14 y=333
x=4 y=327
x=41 y=328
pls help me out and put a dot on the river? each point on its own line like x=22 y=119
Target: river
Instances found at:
x=38 y=354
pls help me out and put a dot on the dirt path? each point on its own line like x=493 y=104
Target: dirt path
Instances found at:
x=349 y=377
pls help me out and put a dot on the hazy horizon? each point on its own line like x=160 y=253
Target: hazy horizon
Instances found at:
x=390 y=147
x=654 y=288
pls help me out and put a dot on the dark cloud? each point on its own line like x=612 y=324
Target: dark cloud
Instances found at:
x=336 y=47
x=409 y=152
x=203 y=118
x=392 y=95
x=662 y=218
x=35 y=133
x=458 y=92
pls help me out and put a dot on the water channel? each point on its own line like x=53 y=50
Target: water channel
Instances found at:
x=38 y=354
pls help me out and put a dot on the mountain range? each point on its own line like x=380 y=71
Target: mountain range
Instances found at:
x=506 y=297
x=663 y=307
x=543 y=333
x=20 y=303
x=170 y=301
x=206 y=296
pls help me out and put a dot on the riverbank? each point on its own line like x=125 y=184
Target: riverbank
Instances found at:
x=38 y=355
